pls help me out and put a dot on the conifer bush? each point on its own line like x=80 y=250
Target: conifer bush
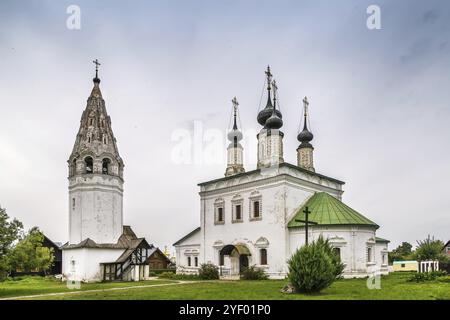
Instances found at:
x=314 y=267
x=208 y=271
x=254 y=273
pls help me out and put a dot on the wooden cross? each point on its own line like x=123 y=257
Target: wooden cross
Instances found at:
x=307 y=223
x=96 y=67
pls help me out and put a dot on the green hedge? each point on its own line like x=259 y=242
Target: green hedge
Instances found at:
x=159 y=271
x=174 y=276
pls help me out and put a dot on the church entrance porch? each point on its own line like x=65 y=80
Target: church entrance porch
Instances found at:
x=234 y=259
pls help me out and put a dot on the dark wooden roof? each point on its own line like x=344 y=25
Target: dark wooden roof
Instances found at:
x=154 y=250
x=128 y=240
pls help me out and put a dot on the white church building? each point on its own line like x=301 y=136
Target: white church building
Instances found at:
x=100 y=247
x=252 y=217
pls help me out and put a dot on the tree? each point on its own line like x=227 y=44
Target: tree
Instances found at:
x=29 y=254
x=10 y=232
x=430 y=249
x=402 y=252
x=314 y=267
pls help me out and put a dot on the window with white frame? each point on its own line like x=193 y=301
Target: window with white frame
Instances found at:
x=369 y=254
x=255 y=209
x=189 y=261
x=263 y=256
x=238 y=212
x=237 y=209
x=219 y=211
x=255 y=206
x=337 y=252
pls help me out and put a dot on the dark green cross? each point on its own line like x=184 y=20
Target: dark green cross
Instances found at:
x=307 y=223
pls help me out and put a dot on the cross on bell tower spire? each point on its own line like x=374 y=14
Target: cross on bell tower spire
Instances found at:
x=96 y=79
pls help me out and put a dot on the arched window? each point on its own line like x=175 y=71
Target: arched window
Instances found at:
x=105 y=165
x=89 y=164
x=263 y=253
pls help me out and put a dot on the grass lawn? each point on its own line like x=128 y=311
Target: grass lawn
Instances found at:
x=394 y=286
x=33 y=285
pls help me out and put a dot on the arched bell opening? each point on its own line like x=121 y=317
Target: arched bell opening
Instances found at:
x=106 y=166
x=89 y=165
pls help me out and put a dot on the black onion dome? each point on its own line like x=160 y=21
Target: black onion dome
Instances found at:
x=305 y=136
x=265 y=113
x=274 y=121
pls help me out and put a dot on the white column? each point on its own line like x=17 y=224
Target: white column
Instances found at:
x=136 y=273
x=146 y=272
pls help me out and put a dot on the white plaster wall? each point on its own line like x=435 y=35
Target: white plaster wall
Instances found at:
x=87 y=262
x=271 y=226
x=96 y=209
x=190 y=247
x=381 y=249
x=352 y=241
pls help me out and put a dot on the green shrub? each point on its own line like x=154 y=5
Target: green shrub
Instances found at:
x=314 y=267
x=178 y=276
x=208 y=271
x=254 y=273
x=159 y=271
x=428 y=276
x=445 y=279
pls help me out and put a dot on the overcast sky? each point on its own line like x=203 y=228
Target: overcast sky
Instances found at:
x=379 y=102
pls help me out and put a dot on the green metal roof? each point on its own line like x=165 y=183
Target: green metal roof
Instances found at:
x=327 y=210
x=378 y=239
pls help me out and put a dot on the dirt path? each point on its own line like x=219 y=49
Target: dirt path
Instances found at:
x=97 y=290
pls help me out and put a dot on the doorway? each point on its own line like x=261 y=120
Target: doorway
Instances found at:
x=243 y=262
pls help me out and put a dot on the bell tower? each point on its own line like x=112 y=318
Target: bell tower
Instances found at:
x=95 y=176
x=234 y=151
